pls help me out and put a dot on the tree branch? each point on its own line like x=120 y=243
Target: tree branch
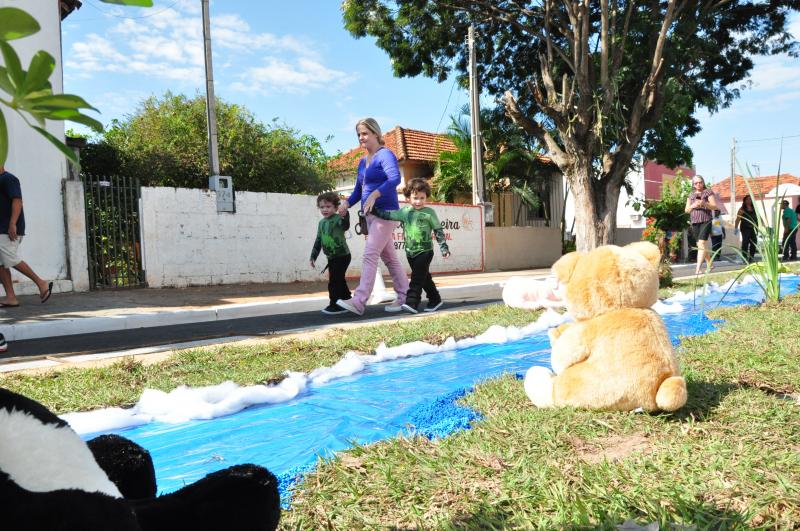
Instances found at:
x=619 y=50
x=604 y=36
x=485 y=7
x=536 y=130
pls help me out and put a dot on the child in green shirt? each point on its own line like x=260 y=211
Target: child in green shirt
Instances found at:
x=419 y=222
x=331 y=239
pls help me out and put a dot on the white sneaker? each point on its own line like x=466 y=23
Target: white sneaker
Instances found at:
x=393 y=308
x=409 y=309
x=435 y=307
x=349 y=306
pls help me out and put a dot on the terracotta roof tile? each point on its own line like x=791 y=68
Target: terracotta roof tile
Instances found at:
x=406 y=144
x=760 y=185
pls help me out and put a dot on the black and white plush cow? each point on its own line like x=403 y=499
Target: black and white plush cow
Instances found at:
x=50 y=479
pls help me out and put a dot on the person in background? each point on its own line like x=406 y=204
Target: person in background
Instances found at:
x=717 y=239
x=419 y=222
x=376 y=186
x=700 y=206
x=747 y=223
x=331 y=240
x=12 y=230
x=789 y=245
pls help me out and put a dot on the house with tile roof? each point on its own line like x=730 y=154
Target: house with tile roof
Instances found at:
x=416 y=152
x=763 y=188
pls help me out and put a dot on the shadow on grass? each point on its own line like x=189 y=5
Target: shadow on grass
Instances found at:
x=705 y=397
x=695 y=514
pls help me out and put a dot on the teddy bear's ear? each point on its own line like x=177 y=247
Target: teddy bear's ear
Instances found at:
x=648 y=250
x=565 y=266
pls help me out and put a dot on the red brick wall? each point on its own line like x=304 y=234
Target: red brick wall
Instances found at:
x=654 y=176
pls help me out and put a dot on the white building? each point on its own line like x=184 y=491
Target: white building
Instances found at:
x=40 y=167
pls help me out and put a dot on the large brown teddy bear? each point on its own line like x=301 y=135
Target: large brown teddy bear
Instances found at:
x=617 y=354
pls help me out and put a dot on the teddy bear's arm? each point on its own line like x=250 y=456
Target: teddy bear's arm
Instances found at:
x=569 y=348
x=556 y=332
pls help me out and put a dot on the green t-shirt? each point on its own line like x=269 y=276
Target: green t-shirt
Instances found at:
x=417 y=228
x=330 y=237
x=789 y=218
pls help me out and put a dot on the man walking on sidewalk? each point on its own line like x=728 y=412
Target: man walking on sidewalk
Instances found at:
x=789 y=232
x=12 y=229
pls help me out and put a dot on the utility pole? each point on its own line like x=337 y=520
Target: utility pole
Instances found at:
x=475 y=121
x=213 y=149
x=732 y=213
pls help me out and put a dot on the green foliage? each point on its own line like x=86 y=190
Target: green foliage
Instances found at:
x=164 y=143
x=669 y=212
x=30 y=90
x=510 y=162
x=31 y=94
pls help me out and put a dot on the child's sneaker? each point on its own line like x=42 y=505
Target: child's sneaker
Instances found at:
x=349 y=306
x=393 y=308
x=409 y=309
x=433 y=305
x=3 y=344
x=333 y=310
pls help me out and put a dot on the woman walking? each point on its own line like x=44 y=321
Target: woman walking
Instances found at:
x=376 y=186
x=747 y=223
x=700 y=205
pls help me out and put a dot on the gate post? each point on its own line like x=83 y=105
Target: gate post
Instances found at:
x=75 y=222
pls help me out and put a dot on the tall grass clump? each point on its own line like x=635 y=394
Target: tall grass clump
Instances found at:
x=767 y=272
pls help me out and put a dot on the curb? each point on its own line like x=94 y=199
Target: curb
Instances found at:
x=113 y=323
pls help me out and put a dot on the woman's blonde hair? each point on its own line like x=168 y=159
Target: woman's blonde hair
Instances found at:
x=374 y=128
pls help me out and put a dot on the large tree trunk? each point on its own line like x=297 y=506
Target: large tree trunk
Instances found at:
x=595 y=208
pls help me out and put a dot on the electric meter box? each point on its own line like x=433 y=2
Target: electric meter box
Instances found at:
x=223 y=185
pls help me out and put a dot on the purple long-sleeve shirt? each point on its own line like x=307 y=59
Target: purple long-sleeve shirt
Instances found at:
x=383 y=174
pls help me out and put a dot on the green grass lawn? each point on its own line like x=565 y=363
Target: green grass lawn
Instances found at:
x=729 y=459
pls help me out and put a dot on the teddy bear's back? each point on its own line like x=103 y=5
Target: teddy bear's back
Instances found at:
x=630 y=356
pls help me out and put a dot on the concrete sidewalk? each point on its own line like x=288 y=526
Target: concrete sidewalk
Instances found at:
x=106 y=311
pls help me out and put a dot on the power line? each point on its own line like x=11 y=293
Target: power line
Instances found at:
x=447 y=105
x=767 y=139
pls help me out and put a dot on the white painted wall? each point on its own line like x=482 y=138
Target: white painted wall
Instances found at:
x=39 y=166
x=627 y=217
x=269 y=238
x=509 y=248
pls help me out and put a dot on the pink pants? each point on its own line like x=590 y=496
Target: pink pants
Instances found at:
x=380 y=244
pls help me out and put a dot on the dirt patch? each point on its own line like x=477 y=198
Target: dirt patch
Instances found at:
x=613 y=448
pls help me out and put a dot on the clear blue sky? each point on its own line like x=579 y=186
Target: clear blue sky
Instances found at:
x=295 y=62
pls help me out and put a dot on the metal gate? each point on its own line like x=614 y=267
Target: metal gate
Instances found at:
x=112 y=232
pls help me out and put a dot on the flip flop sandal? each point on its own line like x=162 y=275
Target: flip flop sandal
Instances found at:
x=47 y=293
